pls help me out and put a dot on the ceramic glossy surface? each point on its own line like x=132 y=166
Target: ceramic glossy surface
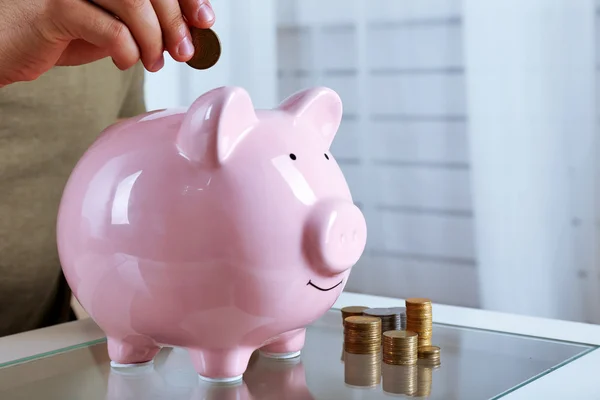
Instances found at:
x=221 y=229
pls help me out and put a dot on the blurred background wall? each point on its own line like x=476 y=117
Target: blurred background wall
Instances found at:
x=469 y=136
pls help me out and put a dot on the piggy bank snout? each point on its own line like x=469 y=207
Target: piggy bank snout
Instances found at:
x=335 y=236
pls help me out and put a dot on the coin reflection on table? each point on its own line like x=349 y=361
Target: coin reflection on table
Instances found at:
x=400 y=379
x=424 y=381
x=362 y=370
x=433 y=364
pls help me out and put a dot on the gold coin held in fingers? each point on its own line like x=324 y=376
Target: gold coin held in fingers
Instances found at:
x=207 y=48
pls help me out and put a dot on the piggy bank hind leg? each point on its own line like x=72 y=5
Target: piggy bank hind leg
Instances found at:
x=287 y=345
x=131 y=351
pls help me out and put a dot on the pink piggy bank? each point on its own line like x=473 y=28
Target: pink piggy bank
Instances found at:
x=220 y=229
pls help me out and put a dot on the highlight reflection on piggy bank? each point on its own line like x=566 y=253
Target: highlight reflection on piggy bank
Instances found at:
x=220 y=228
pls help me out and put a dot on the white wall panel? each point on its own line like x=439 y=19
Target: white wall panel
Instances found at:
x=434 y=190
x=404 y=277
x=532 y=145
x=416 y=95
x=294 y=49
x=425 y=234
x=311 y=12
x=292 y=82
x=411 y=9
x=442 y=142
x=415 y=46
x=336 y=48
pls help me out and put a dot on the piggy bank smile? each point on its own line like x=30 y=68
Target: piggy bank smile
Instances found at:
x=324 y=289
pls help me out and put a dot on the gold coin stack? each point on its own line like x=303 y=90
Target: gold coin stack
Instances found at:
x=399 y=379
x=362 y=335
x=424 y=381
x=390 y=320
x=353 y=311
x=400 y=347
x=419 y=319
x=431 y=354
x=362 y=370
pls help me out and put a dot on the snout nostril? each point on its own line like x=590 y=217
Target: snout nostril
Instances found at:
x=342 y=238
x=354 y=236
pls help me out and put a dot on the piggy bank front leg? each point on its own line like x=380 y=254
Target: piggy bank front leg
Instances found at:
x=134 y=350
x=287 y=345
x=221 y=365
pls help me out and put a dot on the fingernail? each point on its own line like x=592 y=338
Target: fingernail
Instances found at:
x=206 y=13
x=185 y=48
x=159 y=64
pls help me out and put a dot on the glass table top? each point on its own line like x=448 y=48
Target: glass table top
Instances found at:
x=475 y=364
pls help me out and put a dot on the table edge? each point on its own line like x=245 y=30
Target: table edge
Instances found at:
x=46 y=340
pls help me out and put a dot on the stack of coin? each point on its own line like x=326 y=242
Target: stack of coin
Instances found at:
x=352 y=311
x=362 y=335
x=424 y=381
x=400 y=347
x=362 y=370
x=390 y=320
x=399 y=379
x=419 y=319
x=431 y=354
x=401 y=311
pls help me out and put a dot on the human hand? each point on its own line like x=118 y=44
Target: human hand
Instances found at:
x=36 y=35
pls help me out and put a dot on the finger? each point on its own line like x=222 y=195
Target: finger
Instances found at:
x=176 y=34
x=80 y=52
x=82 y=20
x=141 y=20
x=199 y=13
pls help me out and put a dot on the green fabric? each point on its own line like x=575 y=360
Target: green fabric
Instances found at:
x=45 y=127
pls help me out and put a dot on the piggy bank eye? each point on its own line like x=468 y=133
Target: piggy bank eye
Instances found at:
x=326 y=156
x=293 y=156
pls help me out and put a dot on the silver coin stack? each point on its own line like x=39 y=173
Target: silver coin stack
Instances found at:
x=401 y=317
x=391 y=318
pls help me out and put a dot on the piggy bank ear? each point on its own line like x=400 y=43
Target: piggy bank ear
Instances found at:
x=215 y=124
x=320 y=107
